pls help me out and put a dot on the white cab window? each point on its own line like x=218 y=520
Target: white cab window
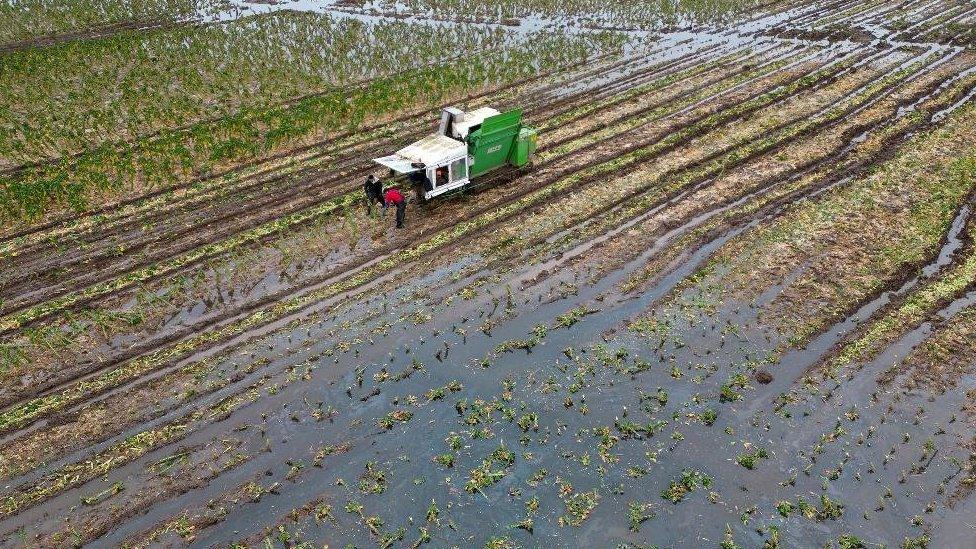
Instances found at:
x=459 y=170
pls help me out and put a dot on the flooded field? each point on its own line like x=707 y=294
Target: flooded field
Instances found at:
x=731 y=304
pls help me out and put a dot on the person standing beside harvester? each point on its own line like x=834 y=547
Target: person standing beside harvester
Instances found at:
x=394 y=197
x=373 y=189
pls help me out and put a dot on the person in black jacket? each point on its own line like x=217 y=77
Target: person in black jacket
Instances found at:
x=373 y=189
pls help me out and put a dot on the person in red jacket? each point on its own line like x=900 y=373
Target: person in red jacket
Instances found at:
x=393 y=197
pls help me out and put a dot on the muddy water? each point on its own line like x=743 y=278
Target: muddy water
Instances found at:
x=565 y=436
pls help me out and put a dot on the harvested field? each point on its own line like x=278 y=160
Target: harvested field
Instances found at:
x=730 y=303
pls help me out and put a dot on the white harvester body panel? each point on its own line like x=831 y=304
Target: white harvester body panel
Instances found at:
x=434 y=149
x=463 y=124
x=443 y=160
x=480 y=140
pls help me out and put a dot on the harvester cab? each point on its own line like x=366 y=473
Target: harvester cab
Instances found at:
x=466 y=145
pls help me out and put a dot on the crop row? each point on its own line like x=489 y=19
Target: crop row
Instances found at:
x=37 y=19
x=591 y=13
x=907 y=312
x=861 y=151
x=248 y=132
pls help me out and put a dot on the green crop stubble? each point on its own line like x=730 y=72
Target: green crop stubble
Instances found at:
x=27 y=19
x=251 y=131
x=962 y=174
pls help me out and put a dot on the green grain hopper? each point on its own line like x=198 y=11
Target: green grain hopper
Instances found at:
x=466 y=145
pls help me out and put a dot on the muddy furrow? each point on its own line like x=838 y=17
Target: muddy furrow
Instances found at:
x=346 y=200
x=312 y=296
x=935 y=33
x=832 y=172
x=886 y=13
x=743 y=65
x=920 y=14
x=844 y=14
x=680 y=227
x=883 y=13
x=854 y=19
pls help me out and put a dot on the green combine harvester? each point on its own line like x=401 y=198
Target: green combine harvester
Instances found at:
x=466 y=145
